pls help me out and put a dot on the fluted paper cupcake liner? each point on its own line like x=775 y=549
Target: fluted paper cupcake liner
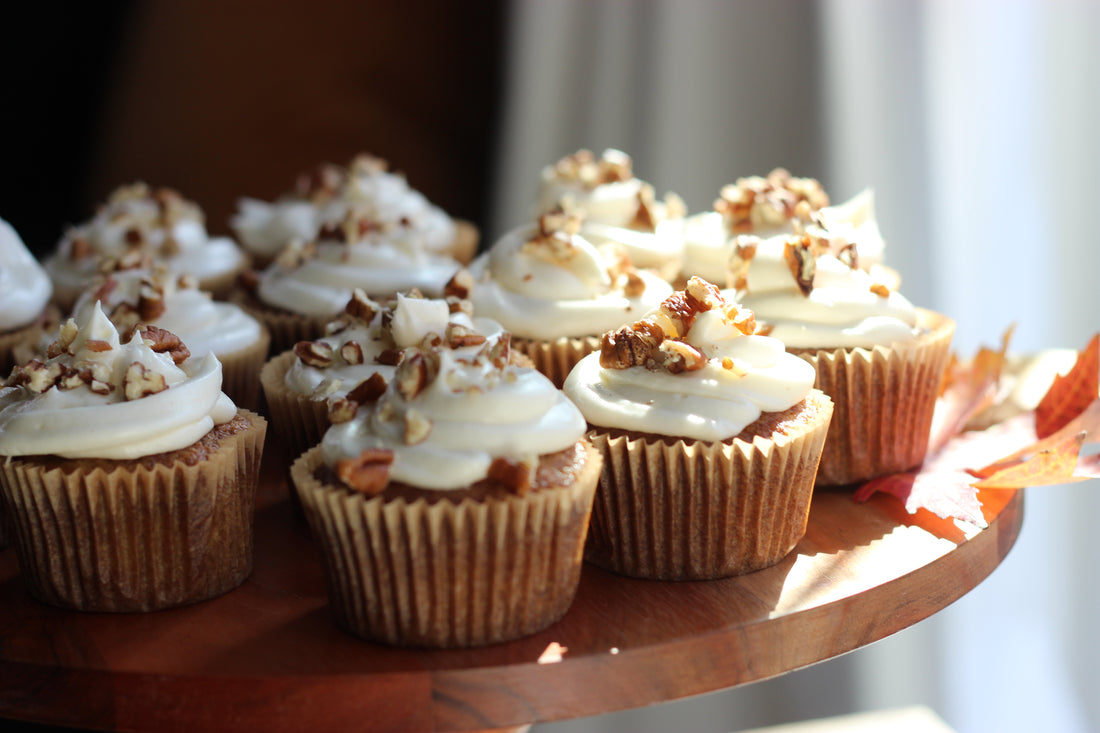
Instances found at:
x=298 y=421
x=141 y=536
x=884 y=400
x=286 y=328
x=671 y=509
x=241 y=371
x=556 y=358
x=448 y=573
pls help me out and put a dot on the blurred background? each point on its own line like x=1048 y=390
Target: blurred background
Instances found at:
x=975 y=122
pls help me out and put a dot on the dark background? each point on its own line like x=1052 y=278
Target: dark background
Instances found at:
x=224 y=99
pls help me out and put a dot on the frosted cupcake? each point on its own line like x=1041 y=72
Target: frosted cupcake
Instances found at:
x=616 y=206
x=452 y=511
x=176 y=304
x=880 y=358
x=138 y=221
x=323 y=199
x=25 y=291
x=711 y=437
x=556 y=292
x=358 y=356
x=128 y=477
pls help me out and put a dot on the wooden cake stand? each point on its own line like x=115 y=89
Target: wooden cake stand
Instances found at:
x=268 y=657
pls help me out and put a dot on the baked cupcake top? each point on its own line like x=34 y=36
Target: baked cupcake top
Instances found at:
x=156 y=296
x=809 y=298
x=694 y=368
x=323 y=199
x=615 y=206
x=370 y=338
x=100 y=396
x=778 y=203
x=449 y=419
x=25 y=288
x=547 y=281
x=138 y=221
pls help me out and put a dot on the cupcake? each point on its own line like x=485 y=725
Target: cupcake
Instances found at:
x=710 y=435
x=615 y=206
x=323 y=199
x=127 y=476
x=880 y=358
x=556 y=292
x=138 y=221
x=452 y=511
x=25 y=291
x=365 y=342
x=155 y=296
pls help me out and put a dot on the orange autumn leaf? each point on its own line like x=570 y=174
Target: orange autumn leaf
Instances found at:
x=1070 y=395
x=969 y=388
x=1054 y=465
x=1088 y=423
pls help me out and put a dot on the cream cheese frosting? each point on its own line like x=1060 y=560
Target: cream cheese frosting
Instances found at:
x=810 y=298
x=174 y=303
x=616 y=206
x=547 y=282
x=367 y=337
x=761 y=205
x=139 y=221
x=99 y=397
x=324 y=199
x=692 y=369
x=25 y=288
x=446 y=417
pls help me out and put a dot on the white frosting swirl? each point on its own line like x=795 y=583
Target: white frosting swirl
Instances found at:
x=712 y=404
x=365 y=187
x=24 y=286
x=842 y=310
x=407 y=323
x=537 y=296
x=378 y=264
x=202 y=323
x=77 y=422
x=477 y=412
x=159 y=223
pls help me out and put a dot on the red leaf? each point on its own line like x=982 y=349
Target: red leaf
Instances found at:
x=1070 y=395
x=945 y=493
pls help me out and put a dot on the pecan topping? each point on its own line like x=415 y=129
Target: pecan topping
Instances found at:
x=316 y=354
x=799 y=254
x=755 y=201
x=633 y=285
x=880 y=290
x=744 y=250
x=361 y=307
x=460 y=284
x=582 y=167
x=553 y=241
x=161 y=340
x=677 y=356
x=390 y=357
x=150 y=305
x=513 y=475
x=369 y=390
x=417 y=427
x=849 y=256
x=97 y=345
x=351 y=352
x=368 y=473
x=65 y=337
x=458 y=336
x=140 y=382
x=341 y=410
x=35 y=376
x=631 y=345
x=645 y=218
x=415 y=373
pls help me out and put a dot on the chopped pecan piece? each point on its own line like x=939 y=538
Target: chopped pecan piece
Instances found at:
x=849 y=255
x=368 y=473
x=390 y=357
x=629 y=346
x=35 y=376
x=369 y=390
x=880 y=290
x=351 y=352
x=341 y=410
x=799 y=254
x=645 y=218
x=633 y=284
x=141 y=382
x=744 y=250
x=417 y=427
x=415 y=373
x=317 y=354
x=161 y=341
x=460 y=285
x=458 y=336
x=97 y=346
x=150 y=305
x=676 y=357
x=361 y=307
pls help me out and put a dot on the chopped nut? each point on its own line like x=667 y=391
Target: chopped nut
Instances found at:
x=415 y=373
x=141 y=382
x=515 y=476
x=743 y=319
x=633 y=285
x=317 y=354
x=367 y=473
x=97 y=346
x=150 y=305
x=431 y=340
x=631 y=345
x=66 y=334
x=35 y=376
x=731 y=365
x=390 y=357
x=361 y=307
x=341 y=410
x=500 y=350
x=460 y=285
x=799 y=254
x=351 y=352
x=459 y=305
x=458 y=336
x=417 y=427
x=880 y=290
x=744 y=250
x=645 y=218
x=676 y=357
x=161 y=340
x=849 y=256
x=369 y=390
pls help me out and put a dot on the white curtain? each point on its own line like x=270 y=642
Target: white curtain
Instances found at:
x=978 y=125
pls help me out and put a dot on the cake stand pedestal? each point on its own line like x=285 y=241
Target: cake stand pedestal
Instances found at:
x=268 y=657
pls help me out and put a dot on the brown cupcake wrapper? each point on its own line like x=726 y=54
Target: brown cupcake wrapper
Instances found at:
x=884 y=399
x=556 y=358
x=286 y=328
x=672 y=509
x=241 y=370
x=448 y=573
x=298 y=421
x=137 y=537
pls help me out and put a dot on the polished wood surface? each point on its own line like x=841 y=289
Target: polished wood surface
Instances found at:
x=268 y=657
